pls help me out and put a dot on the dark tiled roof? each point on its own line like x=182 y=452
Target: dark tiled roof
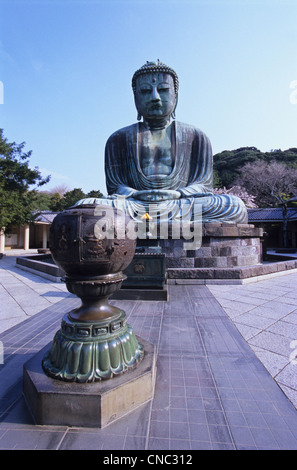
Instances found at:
x=273 y=214
x=45 y=217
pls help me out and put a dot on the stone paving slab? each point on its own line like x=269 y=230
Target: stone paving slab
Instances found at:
x=24 y=294
x=222 y=382
x=212 y=392
x=268 y=323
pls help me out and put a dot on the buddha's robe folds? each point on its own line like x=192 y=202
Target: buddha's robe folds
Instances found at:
x=191 y=175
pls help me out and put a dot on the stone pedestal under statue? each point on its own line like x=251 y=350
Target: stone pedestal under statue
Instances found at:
x=227 y=251
x=224 y=250
x=222 y=246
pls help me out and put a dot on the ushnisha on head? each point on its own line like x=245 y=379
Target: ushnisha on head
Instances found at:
x=155 y=87
x=155 y=67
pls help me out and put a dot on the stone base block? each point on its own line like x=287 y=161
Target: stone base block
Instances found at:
x=54 y=402
x=222 y=246
x=229 y=275
x=146 y=271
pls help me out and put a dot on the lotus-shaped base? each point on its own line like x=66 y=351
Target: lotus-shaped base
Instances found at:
x=92 y=351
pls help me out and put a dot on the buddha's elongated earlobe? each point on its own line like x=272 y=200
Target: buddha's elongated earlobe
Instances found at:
x=173 y=112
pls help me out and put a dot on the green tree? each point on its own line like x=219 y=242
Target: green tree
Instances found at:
x=16 y=180
x=56 y=202
x=228 y=164
x=60 y=202
x=42 y=201
x=94 y=193
x=71 y=197
x=272 y=184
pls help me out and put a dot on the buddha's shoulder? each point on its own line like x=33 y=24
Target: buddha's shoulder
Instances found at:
x=190 y=129
x=123 y=132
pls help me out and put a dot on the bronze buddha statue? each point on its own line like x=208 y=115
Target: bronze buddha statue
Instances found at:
x=160 y=165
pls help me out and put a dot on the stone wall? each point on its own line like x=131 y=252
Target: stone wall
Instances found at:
x=223 y=246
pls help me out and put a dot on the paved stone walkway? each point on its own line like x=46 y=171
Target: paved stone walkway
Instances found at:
x=265 y=313
x=23 y=294
x=226 y=376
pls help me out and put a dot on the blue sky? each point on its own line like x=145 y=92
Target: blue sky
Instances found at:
x=66 y=69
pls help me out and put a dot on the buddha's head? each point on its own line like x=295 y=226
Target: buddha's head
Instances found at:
x=155 y=87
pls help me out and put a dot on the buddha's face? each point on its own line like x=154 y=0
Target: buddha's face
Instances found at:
x=155 y=96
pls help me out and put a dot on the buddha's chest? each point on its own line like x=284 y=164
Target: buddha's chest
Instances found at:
x=156 y=153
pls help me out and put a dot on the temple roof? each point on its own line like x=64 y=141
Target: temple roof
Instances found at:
x=271 y=214
x=45 y=217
